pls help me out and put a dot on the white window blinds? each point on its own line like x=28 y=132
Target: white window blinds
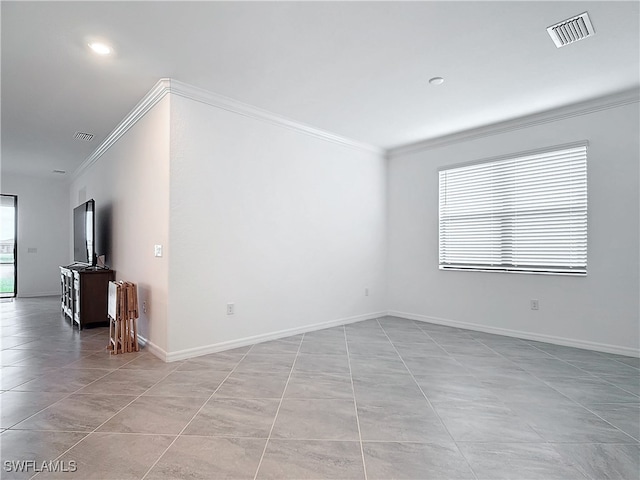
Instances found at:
x=524 y=214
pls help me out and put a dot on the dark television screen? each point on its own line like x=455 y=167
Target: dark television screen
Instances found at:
x=84 y=233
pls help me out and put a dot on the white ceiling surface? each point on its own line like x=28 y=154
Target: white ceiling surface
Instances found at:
x=356 y=69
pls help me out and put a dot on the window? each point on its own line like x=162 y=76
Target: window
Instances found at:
x=526 y=213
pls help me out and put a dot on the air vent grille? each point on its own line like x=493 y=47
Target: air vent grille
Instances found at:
x=59 y=172
x=85 y=137
x=571 y=30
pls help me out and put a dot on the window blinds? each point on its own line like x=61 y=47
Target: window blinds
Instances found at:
x=523 y=214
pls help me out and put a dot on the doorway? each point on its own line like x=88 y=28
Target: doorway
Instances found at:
x=8 y=246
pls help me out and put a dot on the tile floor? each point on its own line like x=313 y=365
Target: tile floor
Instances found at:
x=379 y=399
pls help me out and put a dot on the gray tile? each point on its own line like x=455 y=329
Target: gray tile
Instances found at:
x=451 y=338
x=528 y=393
x=368 y=365
x=235 y=417
x=625 y=416
x=160 y=415
x=434 y=366
x=335 y=333
x=253 y=385
x=267 y=363
x=371 y=348
x=324 y=347
x=373 y=379
x=417 y=350
x=592 y=390
x=206 y=458
x=148 y=361
x=504 y=380
x=78 y=412
x=393 y=421
x=24 y=445
x=604 y=366
x=490 y=365
x=17 y=406
x=386 y=460
x=629 y=383
x=321 y=363
x=439 y=388
x=631 y=361
x=188 y=383
x=125 y=382
x=601 y=461
x=319 y=385
x=471 y=348
x=63 y=380
x=484 y=422
x=275 y=347
x=7 y=357
x=14 y=376
x=371 y=392
x=103 y=360
x=368 y=335
x=568 y=424
x=113 y=455
x=306 y=460
x=316 y=419
x=50 y=359
x=519 y=351
x=531 y=461
x=416 y=336
x=215 y=361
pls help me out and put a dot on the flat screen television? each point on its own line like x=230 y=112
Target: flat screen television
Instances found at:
x=84 y=233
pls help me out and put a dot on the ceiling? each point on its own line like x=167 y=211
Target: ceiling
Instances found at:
x=356 y=69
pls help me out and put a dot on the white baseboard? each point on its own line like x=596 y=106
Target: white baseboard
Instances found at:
x=243 y=342
x=567 y=342
x=152 y=348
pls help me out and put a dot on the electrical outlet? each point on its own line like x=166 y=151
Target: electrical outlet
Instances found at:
x=535 y=305
x=231 y=308
x=144 y=307
x=157 y=250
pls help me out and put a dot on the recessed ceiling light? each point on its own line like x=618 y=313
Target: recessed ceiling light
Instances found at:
x=436 y=81
x=100 y=48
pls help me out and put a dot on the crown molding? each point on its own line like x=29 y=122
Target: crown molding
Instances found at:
x=627 y=97
x=166 y=85
x=225 y=103
x=175 y=87
x=157 y=93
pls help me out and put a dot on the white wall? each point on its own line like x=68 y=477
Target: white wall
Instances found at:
x=130 y=184
x=43 y=225
x=289 y=227
x=597 y=311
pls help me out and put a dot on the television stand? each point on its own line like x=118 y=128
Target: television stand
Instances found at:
x=85 y=294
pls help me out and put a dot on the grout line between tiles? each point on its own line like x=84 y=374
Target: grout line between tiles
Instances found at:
x=112 y=416
x=430 y=404
x=355 y=404
x=194 y=415
x=275 y=418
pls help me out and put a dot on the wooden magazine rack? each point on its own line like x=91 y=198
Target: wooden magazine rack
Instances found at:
x=123 y=315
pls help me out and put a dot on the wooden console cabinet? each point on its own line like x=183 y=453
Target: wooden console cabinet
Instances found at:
x=85 y=294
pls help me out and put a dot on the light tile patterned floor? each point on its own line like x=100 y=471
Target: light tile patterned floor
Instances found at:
x=379 y=399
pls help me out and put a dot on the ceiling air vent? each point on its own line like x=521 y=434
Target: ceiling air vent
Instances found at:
x=85 y=137
x=571 y=30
